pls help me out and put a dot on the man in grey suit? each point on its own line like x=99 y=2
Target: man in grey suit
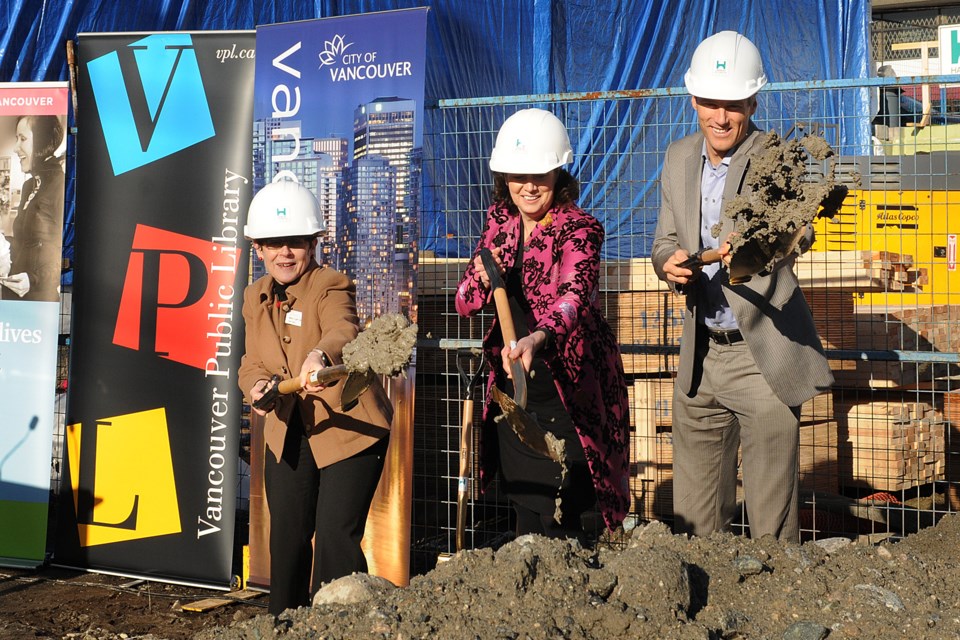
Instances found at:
x=749 y=352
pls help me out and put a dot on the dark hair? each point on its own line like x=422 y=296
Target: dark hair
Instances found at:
x=566 y=191
x=47 y=134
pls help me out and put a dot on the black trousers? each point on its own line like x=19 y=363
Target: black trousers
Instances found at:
x=331 y=502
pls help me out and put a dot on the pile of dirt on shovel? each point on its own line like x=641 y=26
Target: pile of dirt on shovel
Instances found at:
x=657 y=586
x=789 y=183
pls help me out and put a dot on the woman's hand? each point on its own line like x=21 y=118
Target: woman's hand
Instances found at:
x=256 y=393
x=525 y=349
x=480 y=271
x=314 y=361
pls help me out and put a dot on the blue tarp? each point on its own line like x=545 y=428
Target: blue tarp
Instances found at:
x=479 y=48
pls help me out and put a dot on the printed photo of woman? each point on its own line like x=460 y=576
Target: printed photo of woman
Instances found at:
x=36 y=230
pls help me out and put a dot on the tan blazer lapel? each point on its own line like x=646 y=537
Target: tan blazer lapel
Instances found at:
x=736 y=173
x=271 y=350
x=693 y=168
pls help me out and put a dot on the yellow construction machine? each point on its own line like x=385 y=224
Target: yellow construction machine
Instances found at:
x=901 y=219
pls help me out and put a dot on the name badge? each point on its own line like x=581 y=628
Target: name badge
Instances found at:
x=294 y=317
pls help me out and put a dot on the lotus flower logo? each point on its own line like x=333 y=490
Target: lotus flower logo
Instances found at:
x=332 y=49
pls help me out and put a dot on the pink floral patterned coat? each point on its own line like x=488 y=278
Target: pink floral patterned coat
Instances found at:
x=561 y=273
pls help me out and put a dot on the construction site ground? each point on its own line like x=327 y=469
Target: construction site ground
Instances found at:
x=657 y=585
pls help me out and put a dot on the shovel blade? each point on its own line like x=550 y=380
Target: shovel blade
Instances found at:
x=354 y=386
x=519 y=383
x=528 y=430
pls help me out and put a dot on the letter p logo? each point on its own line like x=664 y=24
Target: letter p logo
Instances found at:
x=169 y=295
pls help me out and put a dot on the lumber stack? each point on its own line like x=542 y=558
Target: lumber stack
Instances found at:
x=819 y=445
x=892 y=444
x=836 y=271
x=651 y=449
x=951 y=413
x=895 y=271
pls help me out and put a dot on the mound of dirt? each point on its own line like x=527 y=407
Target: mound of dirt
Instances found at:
x=658 y=586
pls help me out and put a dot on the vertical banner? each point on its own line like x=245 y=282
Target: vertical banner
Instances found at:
x=32 y=144
x=153 y=420
x=339 y=101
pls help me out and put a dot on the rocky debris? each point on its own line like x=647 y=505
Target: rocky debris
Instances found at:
x=657 y=585
x=353 y=589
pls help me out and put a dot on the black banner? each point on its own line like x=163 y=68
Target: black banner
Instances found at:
x=163 y=184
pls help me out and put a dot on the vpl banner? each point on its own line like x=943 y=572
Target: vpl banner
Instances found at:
x=32 y=144
x=339 y=102
x=152 y=437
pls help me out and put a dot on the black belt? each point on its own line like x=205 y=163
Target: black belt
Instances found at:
x=730 y=336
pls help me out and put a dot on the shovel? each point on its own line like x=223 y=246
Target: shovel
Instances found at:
x=385 y=348
x=514 y=409
x=468 y=381
x=750 y=258
x=325 y=376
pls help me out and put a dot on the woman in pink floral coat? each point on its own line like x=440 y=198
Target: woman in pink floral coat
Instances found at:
x=548 y=251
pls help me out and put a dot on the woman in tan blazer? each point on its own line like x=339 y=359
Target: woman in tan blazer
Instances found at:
x=324 y=463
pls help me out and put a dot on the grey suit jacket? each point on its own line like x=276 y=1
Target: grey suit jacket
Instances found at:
x=772 y=313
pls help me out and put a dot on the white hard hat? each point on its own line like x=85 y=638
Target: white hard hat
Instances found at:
x=283 y=208
x=531 y=141
x=725 y=66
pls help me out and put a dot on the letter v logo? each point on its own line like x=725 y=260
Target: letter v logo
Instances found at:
x=150 y=99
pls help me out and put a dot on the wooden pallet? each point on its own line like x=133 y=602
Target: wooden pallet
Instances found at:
x=230 y=598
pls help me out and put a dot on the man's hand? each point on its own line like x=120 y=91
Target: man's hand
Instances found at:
x=677 y=274
x=724 y=251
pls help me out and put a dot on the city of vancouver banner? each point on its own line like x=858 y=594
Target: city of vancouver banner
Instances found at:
x=32 y=145
x=149 y=485
x=339 y=102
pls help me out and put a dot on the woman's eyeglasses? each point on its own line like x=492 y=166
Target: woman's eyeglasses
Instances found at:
x=296 y=242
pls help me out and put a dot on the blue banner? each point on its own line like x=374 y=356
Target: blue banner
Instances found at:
x=339 y=102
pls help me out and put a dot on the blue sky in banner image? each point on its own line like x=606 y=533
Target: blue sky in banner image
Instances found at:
x=342 y=63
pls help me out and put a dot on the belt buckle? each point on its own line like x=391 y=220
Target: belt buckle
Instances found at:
x=724 y=337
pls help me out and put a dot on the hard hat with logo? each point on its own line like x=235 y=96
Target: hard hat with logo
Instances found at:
x=531 y=141
x=283 y=208
x=725 y=66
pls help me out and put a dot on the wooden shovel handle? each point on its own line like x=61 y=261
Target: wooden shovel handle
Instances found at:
x=463 y=482
x=507 y=329
x=320 y=376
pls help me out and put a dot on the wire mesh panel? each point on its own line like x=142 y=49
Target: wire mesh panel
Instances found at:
x=878 y=452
